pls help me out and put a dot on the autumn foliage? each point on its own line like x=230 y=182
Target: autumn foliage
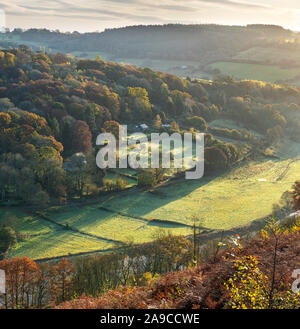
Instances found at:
x=32 y=285
x=296 y=195
x=236 y=277
x=256 y=273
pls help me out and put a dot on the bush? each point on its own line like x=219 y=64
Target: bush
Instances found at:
x=7 y=239
x=197 y=123
x=249 y=288
x=118 y=185
x=108 y=185
x=215 y=159
x=147 y=179
x=40 y=199
x=121 y=184
x=228 y=133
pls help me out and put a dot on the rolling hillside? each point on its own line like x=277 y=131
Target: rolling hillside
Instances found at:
x=259 y=52
x=59 y=203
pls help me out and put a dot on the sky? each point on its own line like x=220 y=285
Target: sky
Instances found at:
x=96 y=15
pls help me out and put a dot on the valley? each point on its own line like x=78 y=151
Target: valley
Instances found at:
x=234 y=199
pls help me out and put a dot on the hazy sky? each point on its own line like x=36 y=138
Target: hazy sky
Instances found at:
x=92 y=15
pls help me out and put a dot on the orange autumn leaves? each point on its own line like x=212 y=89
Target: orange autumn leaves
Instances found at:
x=32 y=285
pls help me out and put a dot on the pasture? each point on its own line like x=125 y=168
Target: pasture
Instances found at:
x=38 y=238
x=270 y=55
x=224 y=202
x=234 y=199
x=268 y=73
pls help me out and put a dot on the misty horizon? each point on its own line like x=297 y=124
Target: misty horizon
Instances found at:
x=93 y=15
x=145 y=25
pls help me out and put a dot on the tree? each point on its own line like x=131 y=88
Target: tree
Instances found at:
x=147 y=179
x=77 y=111
x=62 y=283
x=215 y=159
x=5 y=104
x=78 y=176
x=39 y=199
x=21 y=275
x=248 y=285
x=138 y=101
x=49 y=173
x=5 y=120
x=174 y=127
x=60 y=58
x=67 y=130
x=157 y=122
x=179 y=99
x=159 y=174
x=112 y=127
x=296 y=195
x=91 y=118
x=118 y=185
x=198 y=123
x=81 y=138
x=54 y=124
x=96 y=174
x=8 y=239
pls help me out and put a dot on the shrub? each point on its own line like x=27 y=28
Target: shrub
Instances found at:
x=108 y=185
x=249 y=288
x=121 y=184
x=118 y=185
x=146 y=179
x=197 y=122
x=7 y=239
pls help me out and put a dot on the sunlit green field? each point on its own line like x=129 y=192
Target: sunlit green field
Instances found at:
x=262 y=72
x=268 y=73
x=93 y=220
x=269 y=54
x=41 y=239
x=23 y=223
x=234 y=199
x=58 y=243
x=222 y=203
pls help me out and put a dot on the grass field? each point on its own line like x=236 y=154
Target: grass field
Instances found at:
x=58 y=243
x=93 y=220
x=269 y=55
x=234 y=199
x=193 y=69
x=262 y=72
x=268 y=73
x=23 y=223
x=222 y=203
x=40 y=238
